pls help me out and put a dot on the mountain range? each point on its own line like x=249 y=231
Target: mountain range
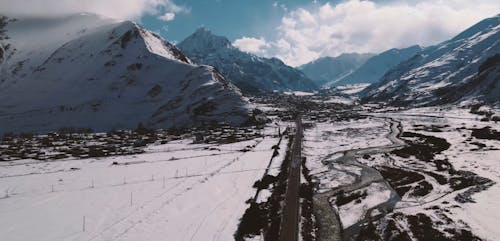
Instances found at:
x=328 y=71
x=464 y=68
x=86 y=71
x=252 y=74
x=375 y=67
x=354 y=68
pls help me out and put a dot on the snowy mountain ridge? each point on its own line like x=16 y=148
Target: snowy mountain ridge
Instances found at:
x=249 y=72
x=375 y=67
x=328 y=71
x=85 y=71
x=424 y=78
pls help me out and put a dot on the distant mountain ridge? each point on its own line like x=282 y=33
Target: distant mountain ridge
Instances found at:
x=375 y=67
x=86 y=71
x=328 y=71
x=428 y=77
x=252 y=74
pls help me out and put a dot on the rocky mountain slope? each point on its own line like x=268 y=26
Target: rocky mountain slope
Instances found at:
x=85 y=71
x=328 y=71
x=374 y=68
x=252 y=74
x=484 y=87
x=428 y=77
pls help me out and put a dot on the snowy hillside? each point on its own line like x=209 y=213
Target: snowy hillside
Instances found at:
x=247 y=71
x=85 y=71
x=375 y=67
x=482 y=88
x=328 y=71
x=427 y=78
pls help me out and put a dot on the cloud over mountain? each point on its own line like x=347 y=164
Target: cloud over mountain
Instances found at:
x=368 y=26
x=119 y=9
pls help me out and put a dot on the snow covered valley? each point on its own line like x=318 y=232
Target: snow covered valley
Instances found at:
x=416 y=174
x=115 y=130
x=369 y=173
x=179 y=190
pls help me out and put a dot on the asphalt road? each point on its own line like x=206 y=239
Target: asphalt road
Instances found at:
x=289 y=229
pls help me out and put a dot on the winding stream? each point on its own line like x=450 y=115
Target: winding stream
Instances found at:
x=328 y=220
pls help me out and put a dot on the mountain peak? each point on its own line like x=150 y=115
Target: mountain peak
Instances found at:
x=250 y=73
x=130 y=75
x=203 y=40
x=203 y=30
x=357 y=57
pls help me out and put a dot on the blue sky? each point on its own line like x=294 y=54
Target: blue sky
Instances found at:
x=231 y=18
x=296 y=31
x=299 y=31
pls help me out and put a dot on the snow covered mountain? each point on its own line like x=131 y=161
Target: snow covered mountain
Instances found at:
x=86 y=71
x=375 y=67
x=328 y=71
x=250 y=73
x=428 y=77
x=483 y=87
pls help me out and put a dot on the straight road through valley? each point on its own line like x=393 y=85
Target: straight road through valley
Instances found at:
x=289 y=229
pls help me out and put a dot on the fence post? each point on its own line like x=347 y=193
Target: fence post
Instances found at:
x=83 y=225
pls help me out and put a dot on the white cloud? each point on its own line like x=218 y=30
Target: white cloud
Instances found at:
x=282 y=6
x=305 y=17
x=167 y=17
x=366 y=26
x=252 y=45
x=119 y=9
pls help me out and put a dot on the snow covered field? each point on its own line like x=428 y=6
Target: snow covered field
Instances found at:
x=327 y=138
x=445 y=179
x=467 y=153
x=174 y=191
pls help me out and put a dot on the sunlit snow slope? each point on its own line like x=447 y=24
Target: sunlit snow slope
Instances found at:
x=454 y=65
x=85 y=71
